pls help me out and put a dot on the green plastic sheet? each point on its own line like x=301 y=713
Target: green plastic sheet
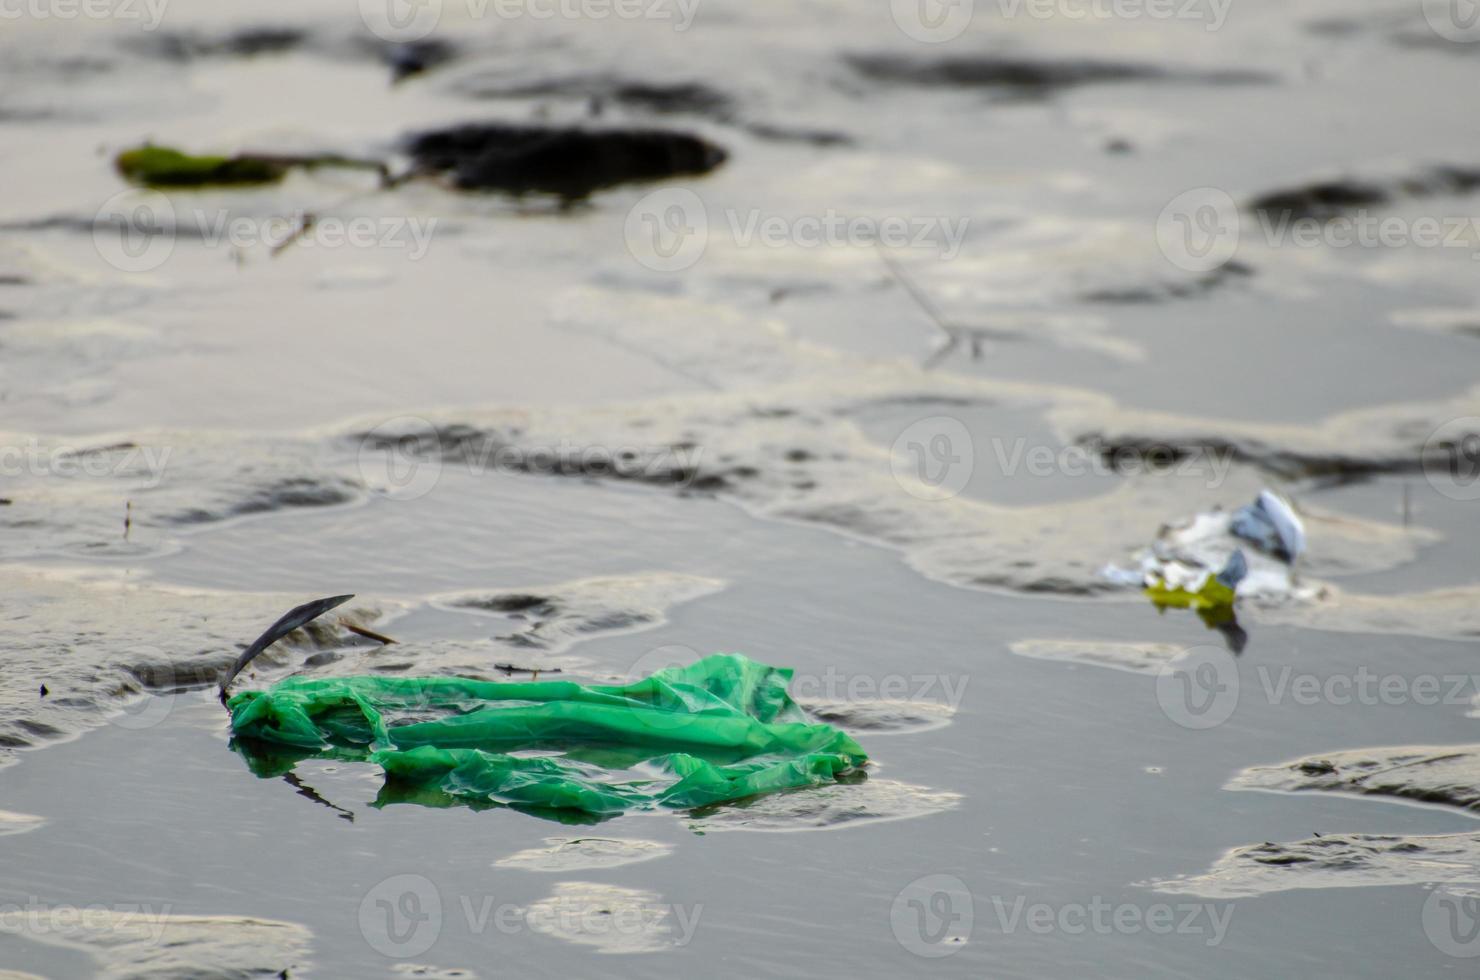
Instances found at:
x=721 y=729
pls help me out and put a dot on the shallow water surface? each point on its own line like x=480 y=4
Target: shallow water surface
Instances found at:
x=602 y=435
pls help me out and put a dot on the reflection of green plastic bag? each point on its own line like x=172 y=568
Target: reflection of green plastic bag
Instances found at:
x=721 y=729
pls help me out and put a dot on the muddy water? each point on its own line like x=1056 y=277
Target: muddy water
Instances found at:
x=527 y=432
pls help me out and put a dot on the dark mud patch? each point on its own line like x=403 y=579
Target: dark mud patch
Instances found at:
x=691 y=98
x=285 y=493
x=881 y=717
x=831 y=807
x=1028 y=77
x=508 y=449
x=790 y=134
x=553 y=618
x=1335 y=861
x=411 y=58
x=1333 y=198
x=247 y=42
x=1354 y=445
x=568 y=162
x=419 y=971
x=1128 y=452
x=1442 y=775
x=600 y=92
x=1192 y=287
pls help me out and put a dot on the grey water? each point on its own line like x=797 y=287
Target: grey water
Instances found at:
x=980 y=300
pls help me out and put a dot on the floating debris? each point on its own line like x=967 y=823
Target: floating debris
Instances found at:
x=166 y=167
x=721 y=729
x=568 y=162
x=1271 y=524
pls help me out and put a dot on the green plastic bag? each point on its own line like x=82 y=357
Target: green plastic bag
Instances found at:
x=720 y=729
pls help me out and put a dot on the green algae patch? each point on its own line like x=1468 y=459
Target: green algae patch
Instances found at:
x=161 y=166
x=721 y=729
x=166 y=167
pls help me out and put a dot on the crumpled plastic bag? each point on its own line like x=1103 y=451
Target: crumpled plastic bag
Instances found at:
x=1206 y=592
x=721 y=729
x=1192 y=556
x=1270 y=524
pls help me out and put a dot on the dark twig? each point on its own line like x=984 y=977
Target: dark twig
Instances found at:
x=927 y=306
x=368 y=634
